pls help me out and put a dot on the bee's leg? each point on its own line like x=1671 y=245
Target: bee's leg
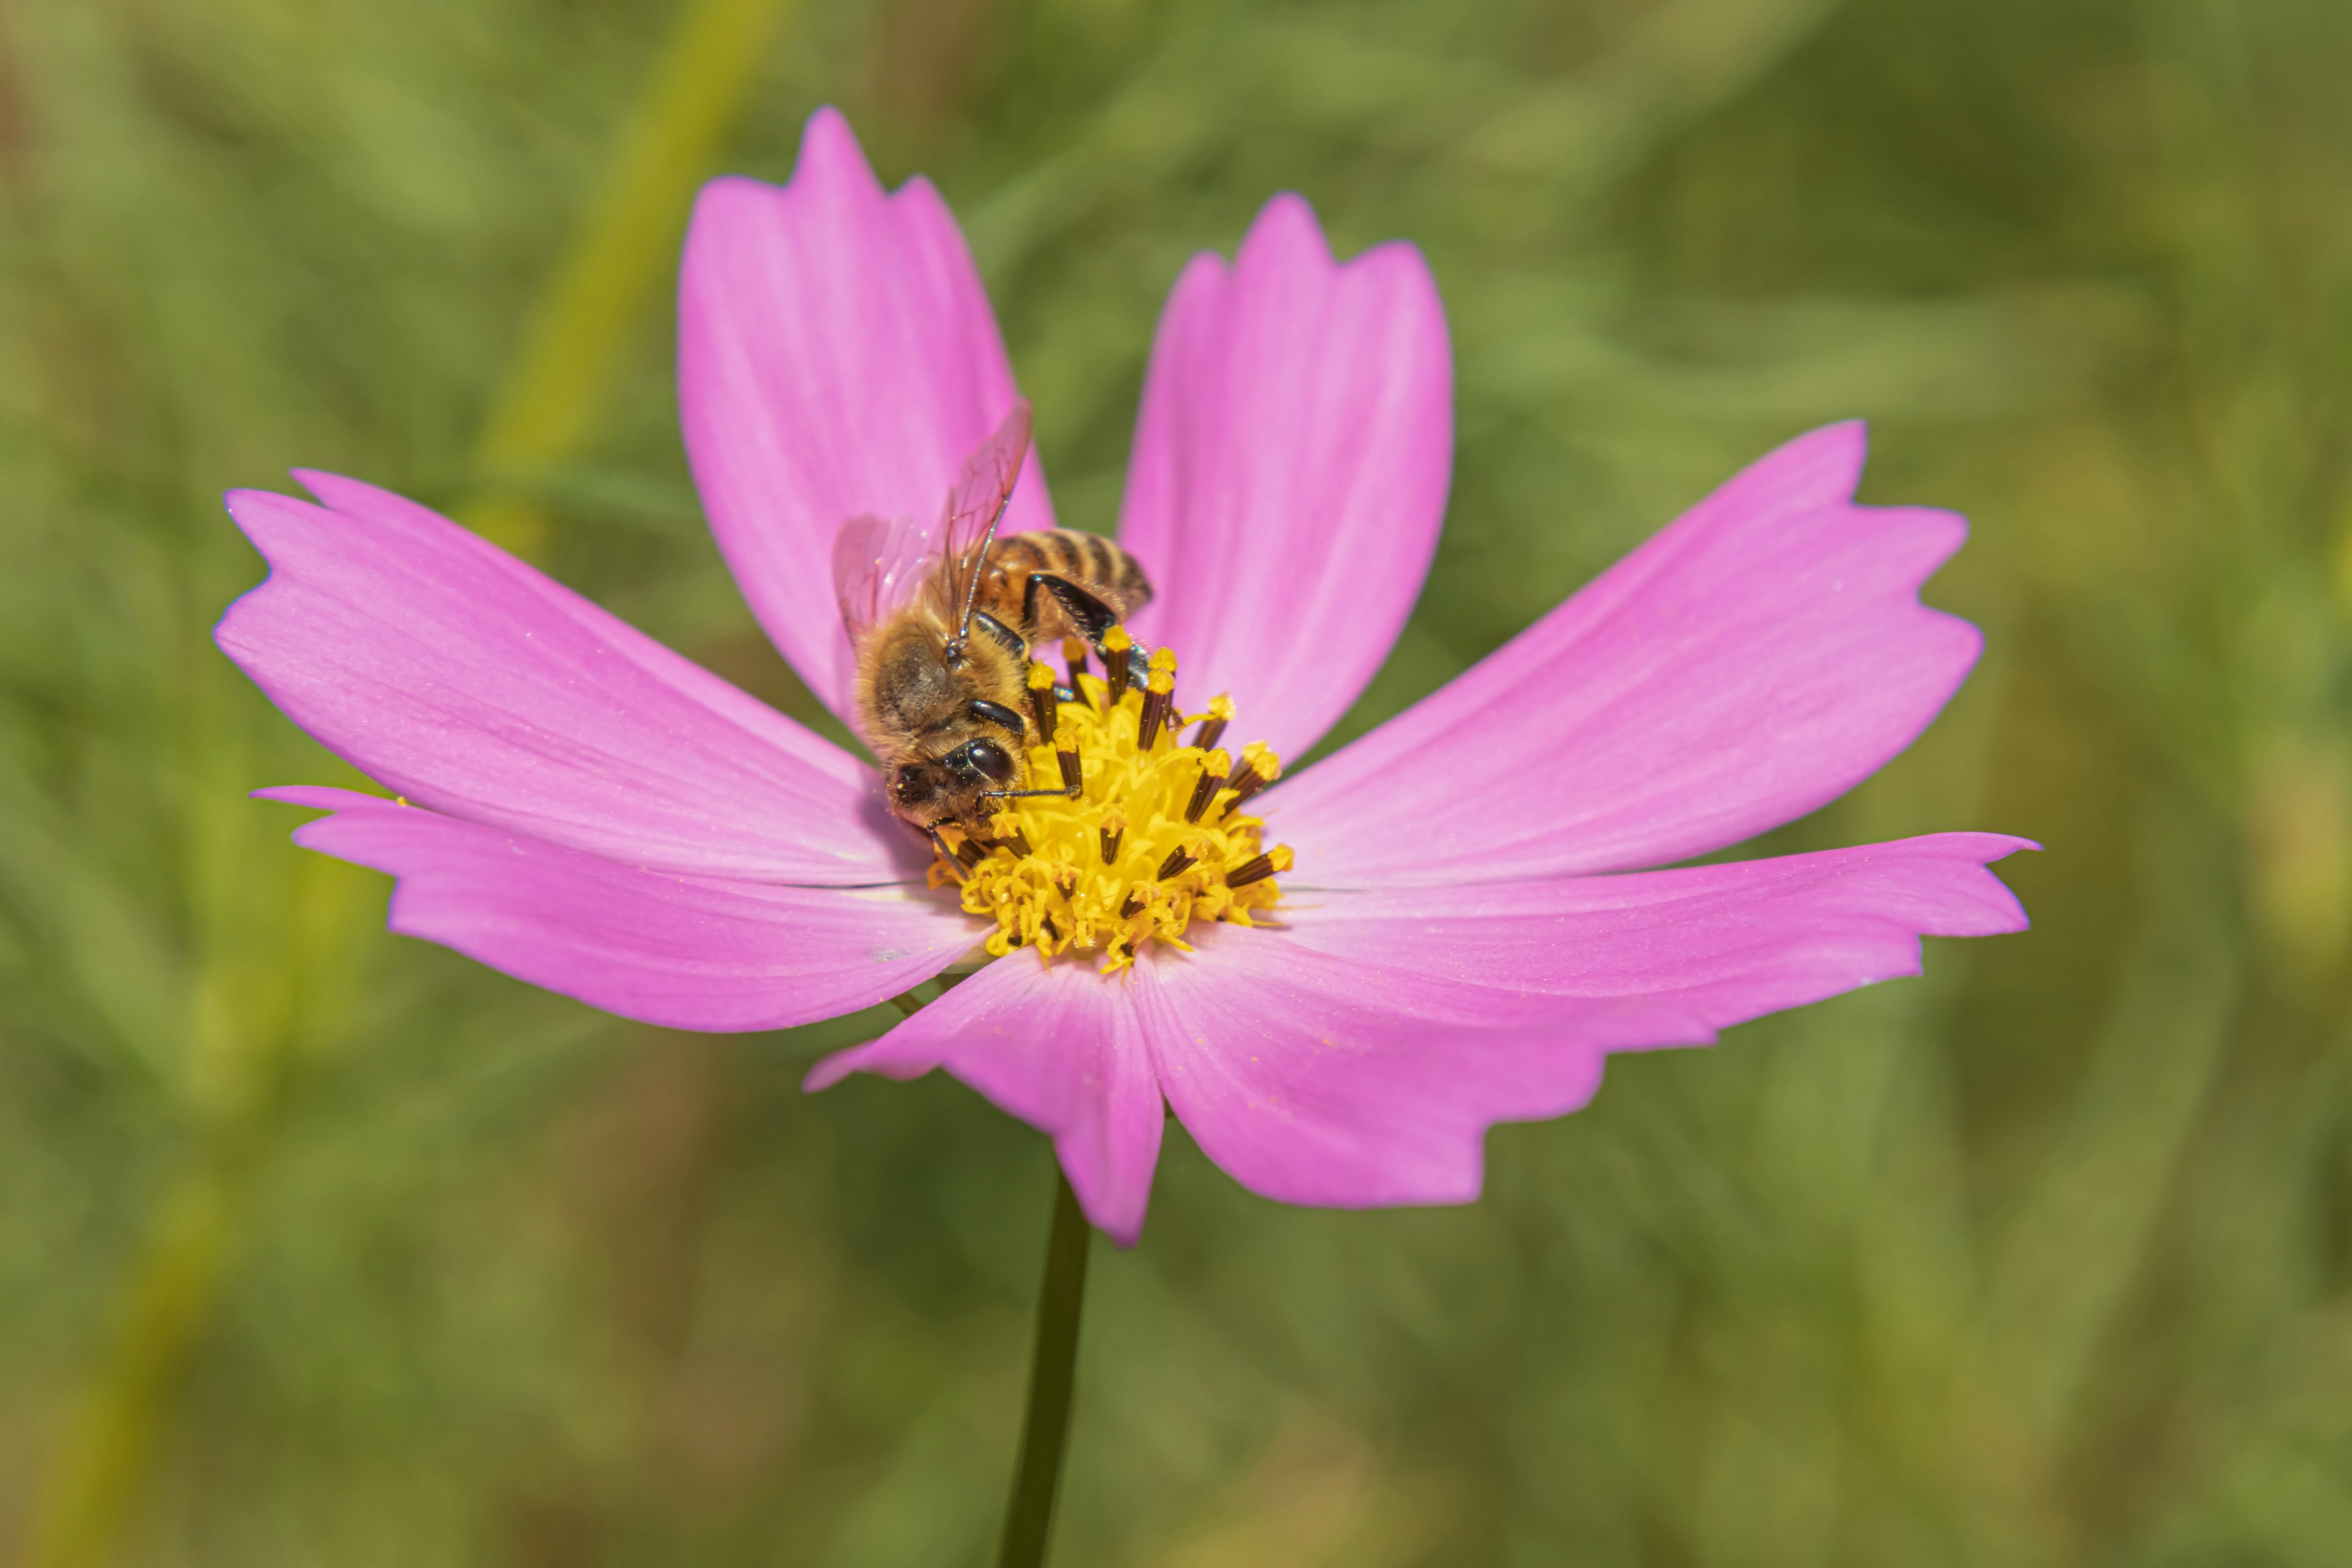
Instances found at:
x=1014 y=642
x=1093 y=618
x=1073 y=781
x=1088 y=614
x=998 y=714
x=956 y=864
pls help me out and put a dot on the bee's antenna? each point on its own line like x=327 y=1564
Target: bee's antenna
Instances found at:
x=979 y=566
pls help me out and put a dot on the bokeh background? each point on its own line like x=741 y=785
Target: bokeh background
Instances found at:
x=319 y=1246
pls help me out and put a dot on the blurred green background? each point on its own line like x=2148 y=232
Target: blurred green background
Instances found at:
x=319 y=1245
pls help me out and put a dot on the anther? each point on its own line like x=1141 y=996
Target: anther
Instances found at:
x=1159 y=697
x=1260 y=767
x=1115 y=644
x=1042 y=706
x=1274 y=862
x=1074 y=654
x=1212 y=728
x=1212 y=779
x=1053 y=878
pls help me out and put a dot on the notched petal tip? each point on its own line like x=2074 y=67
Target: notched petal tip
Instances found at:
x=718 y=206
x=1285 y=232
x=830 y=163
x=830 y=1071
x=2005 y=915
x=319 y=798
x=1842 y=446
x=830 y=151
x=1116 y=1209
x=244 y=498
x=323 y=484
x=256 y=513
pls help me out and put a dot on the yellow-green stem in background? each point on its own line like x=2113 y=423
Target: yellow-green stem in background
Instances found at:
x=544 y=408
x=626 y=242
x=166 y=1303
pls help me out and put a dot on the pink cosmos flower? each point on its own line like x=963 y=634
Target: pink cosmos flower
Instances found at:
x=1468 y=931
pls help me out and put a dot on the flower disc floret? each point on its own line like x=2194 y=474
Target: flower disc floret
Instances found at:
x=1155 y=839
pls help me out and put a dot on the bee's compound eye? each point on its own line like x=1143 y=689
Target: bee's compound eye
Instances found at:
x=907 y=785
x=992 y=762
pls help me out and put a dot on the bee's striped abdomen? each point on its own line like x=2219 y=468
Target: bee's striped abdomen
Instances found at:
x=1087 y=560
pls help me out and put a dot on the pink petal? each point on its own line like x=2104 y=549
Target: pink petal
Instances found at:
x=837 y=355
x=1316 y=1078
x=1310 y=1078
x=1728 y=942
x=457 y=676
x=1753 y=661
x=683 y=951
x=1290 y=469
x=1062 y=1049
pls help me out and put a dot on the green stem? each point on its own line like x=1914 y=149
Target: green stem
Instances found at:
x=571 y=345
x=1053 y=1370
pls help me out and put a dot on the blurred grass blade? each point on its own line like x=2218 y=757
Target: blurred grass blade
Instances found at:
x=625 y=245
x=2080 y=1235
x=568 y=356
x=165 y=1308
x=1678 y=63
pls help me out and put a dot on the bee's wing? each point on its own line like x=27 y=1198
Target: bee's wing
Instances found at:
x=878 y=562
x=977 y=502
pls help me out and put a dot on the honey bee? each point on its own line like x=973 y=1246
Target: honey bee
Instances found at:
x=942 y=619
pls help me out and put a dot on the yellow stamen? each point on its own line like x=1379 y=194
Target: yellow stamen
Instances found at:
x=1041 y=700
x=1214 y=723
x=1120 y=865
x=1115 y=646
x=1159 y=697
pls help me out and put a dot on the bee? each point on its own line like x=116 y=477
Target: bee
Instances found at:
x=941 y=620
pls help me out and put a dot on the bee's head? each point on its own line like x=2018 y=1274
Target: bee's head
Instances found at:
x=951 y=788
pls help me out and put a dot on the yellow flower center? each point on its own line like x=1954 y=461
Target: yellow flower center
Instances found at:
x=1155 y=839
